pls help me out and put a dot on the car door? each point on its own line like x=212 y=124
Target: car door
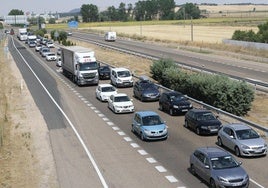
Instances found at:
x=191 y=119
x=98 y=90
x=110 y=102
x=137 y=123
x=227 y=137
x=136 y=89
x=113 y=77
x=165 y=102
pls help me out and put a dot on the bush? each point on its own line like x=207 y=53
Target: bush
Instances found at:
x=219 y=91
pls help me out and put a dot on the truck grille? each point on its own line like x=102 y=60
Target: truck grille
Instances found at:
x=89 y=75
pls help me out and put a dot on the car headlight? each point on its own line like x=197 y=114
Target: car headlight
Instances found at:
x=204 y=127
x=221 y=179
x=265 y=145
x=116 y=106
x=190 y=105
x=175 y=106
x=119 y=80
x=146 y=131
x=165 y=130
x=245 y=147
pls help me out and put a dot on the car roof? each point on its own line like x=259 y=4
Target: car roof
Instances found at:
x=238 y=126
x=105 y=85
x=147 y=113
x=173 y=93
x=120 y=94
x=120 y=69
x=200 y=110
x=213 y=151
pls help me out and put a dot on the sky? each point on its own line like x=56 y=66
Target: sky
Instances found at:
x=47 y=6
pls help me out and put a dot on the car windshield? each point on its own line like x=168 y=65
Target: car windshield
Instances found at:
x=224 y=162
x=88 y=66
x=121 y=99
x=148 y=86
x=107 y=89
x=206 y=117
x=123 y=74
x=246 y=134
x=151 y=120
x=105 y=68
x=177 y=97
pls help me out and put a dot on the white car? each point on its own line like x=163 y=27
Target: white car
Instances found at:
x=104 y=91
x=50 y=56
x=120 y=103
x=50 y=44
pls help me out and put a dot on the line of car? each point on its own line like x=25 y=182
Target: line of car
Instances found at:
x=213 y=164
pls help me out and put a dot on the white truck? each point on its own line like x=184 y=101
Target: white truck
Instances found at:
x=22 y=34
x=110 y=36
x=79 y=63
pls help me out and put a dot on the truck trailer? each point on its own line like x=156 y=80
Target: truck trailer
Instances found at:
x=79 y=63
x=22 y=34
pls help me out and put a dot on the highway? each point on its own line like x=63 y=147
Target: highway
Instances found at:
x=122 y=158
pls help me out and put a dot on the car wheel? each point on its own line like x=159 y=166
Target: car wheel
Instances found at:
x=197 y=130
x=212 y=183
x=219 y=142
x=237 y=151
x=142 y=137
x=171 y=112
x=161 y=107
x=193 y=170
x=186 y=124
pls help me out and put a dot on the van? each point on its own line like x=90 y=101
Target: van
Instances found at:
x=110 y=36
x=121 y=77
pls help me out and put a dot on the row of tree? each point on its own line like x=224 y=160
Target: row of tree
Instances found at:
x=251 y=36
x=219 y=91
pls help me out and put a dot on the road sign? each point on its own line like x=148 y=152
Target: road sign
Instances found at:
x=73 y=24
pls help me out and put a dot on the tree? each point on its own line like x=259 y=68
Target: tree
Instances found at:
x=122 y=13
x=188 y=11
x=52 y=21
x=166 y=9
x=16 y=12
x=90 y=13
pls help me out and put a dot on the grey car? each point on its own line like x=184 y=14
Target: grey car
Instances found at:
x=242 y=139
x=218 y=168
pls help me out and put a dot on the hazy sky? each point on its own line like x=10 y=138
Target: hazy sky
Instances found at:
x=42 y=6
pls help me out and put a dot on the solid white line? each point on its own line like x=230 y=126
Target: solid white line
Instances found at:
x=71 y=124
x=256 y=183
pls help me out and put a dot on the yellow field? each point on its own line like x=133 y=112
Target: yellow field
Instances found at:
x=177 y=33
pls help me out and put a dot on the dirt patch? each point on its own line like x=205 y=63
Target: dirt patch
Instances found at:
x=26 y=158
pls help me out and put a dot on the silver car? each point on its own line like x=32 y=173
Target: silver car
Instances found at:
x=218 y=167
x=242 y=139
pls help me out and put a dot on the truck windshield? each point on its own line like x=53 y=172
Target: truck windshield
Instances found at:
x=88 y=66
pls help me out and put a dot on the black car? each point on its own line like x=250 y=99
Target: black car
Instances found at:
x=202 y=121
x=145 y=90
x=104 y=72
x=174 y=103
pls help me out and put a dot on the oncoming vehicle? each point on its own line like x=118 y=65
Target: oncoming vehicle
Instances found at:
x=218 y=167
x=242 y=139
x=149 y=126
x=120 y=103
x=121 y=77
x=104 y=91
x=202 y=121
x=110 y=36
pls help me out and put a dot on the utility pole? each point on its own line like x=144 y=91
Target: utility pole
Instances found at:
x=192 y=32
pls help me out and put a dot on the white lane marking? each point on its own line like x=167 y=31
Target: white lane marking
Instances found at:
x=128 y=139
x=160 y=168
x=115 y=128
x=101 y=115
x=70 y=123
x=93 y=107
x=105 y=119
x=259 y=185
x=142 y=152
x=171 y=179
x=121 y=133
x=110 y=123
x=134 y=145
x=89 y=104
x=151 y=160
x=97 y=111
x=86 y=102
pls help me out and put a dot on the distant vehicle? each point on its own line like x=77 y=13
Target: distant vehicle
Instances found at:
x=51 y=56
x=149 y=126
x=69 y=33
x=7 y=31
x=50 y=44
x=31 y=44
x=12 y=31
x=218 y=168
x=22 y=34
x=31 y=38
x=145 y=90
x=202 y=121
x=110 y=36
x=59 y=63
x=174 y=103
x=242 y=139
x=104 y=72
x=38 y=47
x=121 y=77
x=44 y=51
x=80 y=64
x=120 y=103
x=58 y=51
x=44 y=41
x=104 y=91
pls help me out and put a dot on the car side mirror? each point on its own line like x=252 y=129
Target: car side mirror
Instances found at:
x=240 y=163
x=207 y=166
x=231 y=136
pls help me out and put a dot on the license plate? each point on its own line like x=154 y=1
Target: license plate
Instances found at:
x=184 y=110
